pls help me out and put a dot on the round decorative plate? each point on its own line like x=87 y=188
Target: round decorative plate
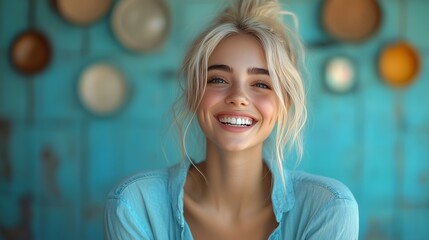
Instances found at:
x=141 y=25
x=82 y=12
x=30 y=52
x=351 y=20
x=340 y=74
x=399 y=64
x=102 y=89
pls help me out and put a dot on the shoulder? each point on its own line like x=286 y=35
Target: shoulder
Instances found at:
x=140 y=191
x=135 y=207
x=323 y=188
x=318 y=196
x=324 y=208
x=137 y=187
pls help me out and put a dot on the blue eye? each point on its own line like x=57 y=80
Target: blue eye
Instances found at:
x=216 y=80
x=262 y=85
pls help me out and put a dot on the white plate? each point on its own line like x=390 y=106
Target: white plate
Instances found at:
x=102 y=89
x=141 y=25
x=340 y=74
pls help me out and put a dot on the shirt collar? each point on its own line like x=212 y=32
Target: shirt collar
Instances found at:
x=176 y=183
x=282 y=196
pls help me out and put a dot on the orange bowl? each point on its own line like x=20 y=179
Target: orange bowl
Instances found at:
x=399 y=64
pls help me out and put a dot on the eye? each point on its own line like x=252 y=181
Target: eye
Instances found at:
x=216 y=80
x=262 y=85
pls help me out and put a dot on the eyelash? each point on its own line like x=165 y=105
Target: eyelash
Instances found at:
x=218 y=80
x=262 y=85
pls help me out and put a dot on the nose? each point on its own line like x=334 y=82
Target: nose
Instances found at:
x=237 y=96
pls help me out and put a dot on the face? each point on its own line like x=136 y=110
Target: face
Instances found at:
x=238 y=110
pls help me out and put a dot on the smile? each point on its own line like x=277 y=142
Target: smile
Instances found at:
x=236 y=121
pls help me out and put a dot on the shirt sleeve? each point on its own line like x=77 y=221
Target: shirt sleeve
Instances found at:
x=121 y=222
x=336 y=220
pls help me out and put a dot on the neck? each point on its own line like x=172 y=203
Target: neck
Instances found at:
x=235 y=180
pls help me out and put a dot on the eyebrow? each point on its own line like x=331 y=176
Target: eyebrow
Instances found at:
x=220 y=67
x=255 y=70
x=227 y=68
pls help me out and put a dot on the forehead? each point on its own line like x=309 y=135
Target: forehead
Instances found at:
x=239 y=50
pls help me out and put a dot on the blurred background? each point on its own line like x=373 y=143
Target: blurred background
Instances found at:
x=85 y=94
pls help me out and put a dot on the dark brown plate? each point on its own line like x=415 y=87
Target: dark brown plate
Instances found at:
x=30 y=52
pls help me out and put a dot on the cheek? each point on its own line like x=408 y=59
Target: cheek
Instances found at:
x=209 y=99
x=205 y=109
x=268 y=107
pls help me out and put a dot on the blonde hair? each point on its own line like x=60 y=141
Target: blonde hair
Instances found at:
x=261 y=19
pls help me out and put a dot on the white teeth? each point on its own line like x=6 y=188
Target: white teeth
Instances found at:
x=236 y=121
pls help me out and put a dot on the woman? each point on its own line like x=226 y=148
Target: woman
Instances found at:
x=242 y=84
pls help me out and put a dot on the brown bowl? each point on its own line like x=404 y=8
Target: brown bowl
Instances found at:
x=399 y=64
x=30 y=52
x=82 y=12
x=351 y=20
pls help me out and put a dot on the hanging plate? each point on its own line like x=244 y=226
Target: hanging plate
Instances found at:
x=351 y=20
x=82 y=12
x=102 y=89
x=141 y=25
x=340 y=74
x=30 y=52
x=399 y=64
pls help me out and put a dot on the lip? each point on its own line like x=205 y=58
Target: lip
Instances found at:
x=236 y=114
x=235 y=129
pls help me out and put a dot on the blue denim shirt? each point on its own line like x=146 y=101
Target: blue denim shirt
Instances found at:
x=149 y=205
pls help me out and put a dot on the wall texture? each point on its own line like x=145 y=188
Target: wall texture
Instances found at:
x=58 y=161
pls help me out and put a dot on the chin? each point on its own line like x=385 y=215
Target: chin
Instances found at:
x=235 y=147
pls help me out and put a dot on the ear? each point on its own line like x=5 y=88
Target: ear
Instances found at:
x=288 y=101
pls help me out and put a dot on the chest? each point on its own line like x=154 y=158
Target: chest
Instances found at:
x=205 y=225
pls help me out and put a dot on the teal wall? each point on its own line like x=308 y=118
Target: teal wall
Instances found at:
x=57 y=161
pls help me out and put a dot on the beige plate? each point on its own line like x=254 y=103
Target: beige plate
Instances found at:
x=340 y=74
x=102 y=89
x=83 y=12
x=141 y=25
